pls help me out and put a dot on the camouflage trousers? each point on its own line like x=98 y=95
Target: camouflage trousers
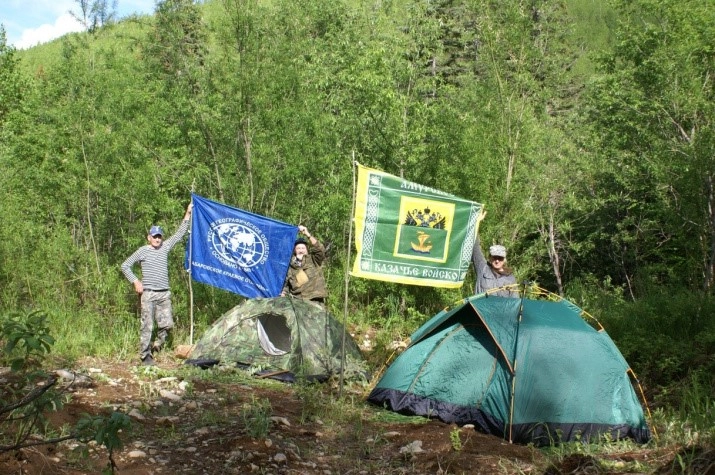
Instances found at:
x=155 y=306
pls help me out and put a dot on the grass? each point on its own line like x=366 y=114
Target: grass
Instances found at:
x=256 y=417
x=211 y=417
x=84 y=334
x=383 y=415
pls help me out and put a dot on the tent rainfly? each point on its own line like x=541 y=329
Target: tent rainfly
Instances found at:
x=530 y=371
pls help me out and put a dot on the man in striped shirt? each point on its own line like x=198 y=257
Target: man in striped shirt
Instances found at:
x=154 y=286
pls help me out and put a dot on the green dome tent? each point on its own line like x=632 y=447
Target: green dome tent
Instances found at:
x=522 y=369
x=280 y=337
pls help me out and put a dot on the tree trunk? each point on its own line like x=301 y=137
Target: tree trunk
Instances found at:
x=246 y=136
x=554 y=255
x=710 y=265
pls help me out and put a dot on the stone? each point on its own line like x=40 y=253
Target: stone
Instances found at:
x=280 y=420
x=183 y=351
x=135 y=414
x=414 y=447
x=169 y=395
x=167 y=420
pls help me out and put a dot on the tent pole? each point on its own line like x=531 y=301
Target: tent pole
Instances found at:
x=511 y=404
x=516 y=365
x=347 y=280
x=649 y=416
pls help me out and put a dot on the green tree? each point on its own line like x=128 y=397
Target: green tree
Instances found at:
x=651 y=113
x=11 y=81
x=94 y=14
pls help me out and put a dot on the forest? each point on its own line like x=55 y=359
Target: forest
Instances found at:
x=584 y=127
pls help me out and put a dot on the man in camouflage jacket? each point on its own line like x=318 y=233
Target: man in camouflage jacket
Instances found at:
x=305 y=278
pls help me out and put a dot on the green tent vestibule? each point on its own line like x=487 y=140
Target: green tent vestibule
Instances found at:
x=527 y=370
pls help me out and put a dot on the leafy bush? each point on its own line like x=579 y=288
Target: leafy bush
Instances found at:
x=104 y=431
x=668 y=338
x=26 y=342
x=26 y=339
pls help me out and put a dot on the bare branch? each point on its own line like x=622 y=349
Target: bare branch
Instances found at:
x=31 y=396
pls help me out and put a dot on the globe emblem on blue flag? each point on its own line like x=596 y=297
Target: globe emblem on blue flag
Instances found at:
x=238 y=244
x=238 y=251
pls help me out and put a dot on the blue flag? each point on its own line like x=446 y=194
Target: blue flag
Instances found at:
x=238 y=251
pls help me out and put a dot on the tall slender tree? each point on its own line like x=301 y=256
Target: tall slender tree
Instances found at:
x=652 y=112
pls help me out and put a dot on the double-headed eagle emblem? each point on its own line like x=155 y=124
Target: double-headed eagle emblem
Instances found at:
x=424 y=218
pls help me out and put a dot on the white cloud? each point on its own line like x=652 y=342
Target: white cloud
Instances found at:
x=31 y=22
x=64 y=24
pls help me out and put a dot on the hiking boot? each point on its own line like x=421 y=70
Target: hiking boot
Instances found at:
x=156 y=347
x=148 y=361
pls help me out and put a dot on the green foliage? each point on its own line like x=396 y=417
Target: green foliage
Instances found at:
x=93 y=14
x=663 y=336
x=595 y=456
x=11 y=82
x=697 y=404
x=104 y=431
x=650 y=111
x=256 y=417
x=674 y=430
x=455 y=438
x=667 y=338
x=31 y=394
x=26 y=343
x=410 y=88
x=26 y=339
x=313 y=401
x=119 y=334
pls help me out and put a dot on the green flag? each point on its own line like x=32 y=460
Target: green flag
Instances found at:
x=411 y=234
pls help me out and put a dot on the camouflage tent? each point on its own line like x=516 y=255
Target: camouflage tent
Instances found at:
x=279 y=336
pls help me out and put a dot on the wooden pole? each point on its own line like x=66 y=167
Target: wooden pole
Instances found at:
x=347 y=281
x=191 y=287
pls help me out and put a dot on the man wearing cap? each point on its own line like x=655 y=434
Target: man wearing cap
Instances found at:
x=493 y=272
x=305 y=274
x=154 y=286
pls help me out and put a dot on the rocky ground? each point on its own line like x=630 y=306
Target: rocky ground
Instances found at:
x=206 y=423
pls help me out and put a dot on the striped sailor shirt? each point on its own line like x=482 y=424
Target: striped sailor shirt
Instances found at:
x=154 y=262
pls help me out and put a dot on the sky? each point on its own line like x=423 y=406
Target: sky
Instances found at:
x=31 y=22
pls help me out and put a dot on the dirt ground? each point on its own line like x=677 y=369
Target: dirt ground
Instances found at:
x=200 y=427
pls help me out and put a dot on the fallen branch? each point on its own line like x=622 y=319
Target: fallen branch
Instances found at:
x=31 y=396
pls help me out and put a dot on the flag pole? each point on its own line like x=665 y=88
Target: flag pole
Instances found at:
x=347 y=278
x=191 y=287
